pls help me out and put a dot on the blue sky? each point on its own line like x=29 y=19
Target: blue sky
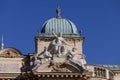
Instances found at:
x=99 y=20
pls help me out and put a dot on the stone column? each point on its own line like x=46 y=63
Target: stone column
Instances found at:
x=94 y=71
x=107 y=74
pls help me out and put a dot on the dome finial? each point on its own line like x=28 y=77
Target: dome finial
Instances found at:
x=58 y=11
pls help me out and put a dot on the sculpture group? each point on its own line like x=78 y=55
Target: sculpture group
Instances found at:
x=56 y=48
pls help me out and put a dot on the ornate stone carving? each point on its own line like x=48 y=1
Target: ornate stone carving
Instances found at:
x=60 y=68
x=70 y=55
x=57 y=53
x=41 y=58
x=10 y=52
x=57 y=46
x=66 y=67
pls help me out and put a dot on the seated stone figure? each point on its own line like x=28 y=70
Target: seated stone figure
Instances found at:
x=70 y=55
x=57 y=46
x=46 y=55
x=36 y=63
x=41 y=58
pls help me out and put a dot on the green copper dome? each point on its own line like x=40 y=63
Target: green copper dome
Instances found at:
x=59 y=25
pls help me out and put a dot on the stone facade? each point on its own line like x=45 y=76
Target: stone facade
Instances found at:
x=11 y=63
x=43 y=41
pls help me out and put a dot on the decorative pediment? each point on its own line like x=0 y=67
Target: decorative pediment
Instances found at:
x=66 y=67
x=59 y=67
x=10 y=53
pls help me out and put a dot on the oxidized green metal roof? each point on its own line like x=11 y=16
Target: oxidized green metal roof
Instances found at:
x=112 y=67
x=59 y=25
